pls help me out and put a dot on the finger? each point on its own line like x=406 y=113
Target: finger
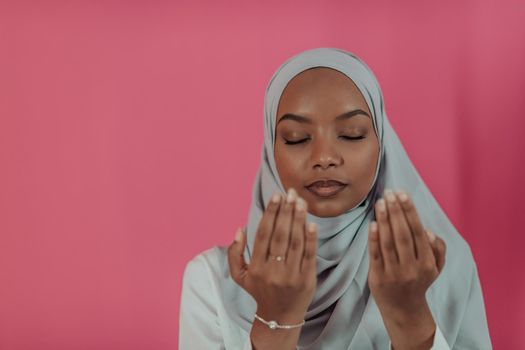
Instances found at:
x=439 y=249
x=431 y=237
x=296 y=247
x=265 y=229
x=386 y=241
x=400 y=230
x=236 y=260
x=422 y=246
x=309 y=262
x=283 y=224
x=374 y=251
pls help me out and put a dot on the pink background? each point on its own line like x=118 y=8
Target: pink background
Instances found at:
x=130 y=134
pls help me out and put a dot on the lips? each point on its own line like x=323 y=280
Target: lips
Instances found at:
x=326 y=188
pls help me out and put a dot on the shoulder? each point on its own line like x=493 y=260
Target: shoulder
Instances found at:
x=204 y=267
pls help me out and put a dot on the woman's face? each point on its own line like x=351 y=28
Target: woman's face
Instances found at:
x=325 y=132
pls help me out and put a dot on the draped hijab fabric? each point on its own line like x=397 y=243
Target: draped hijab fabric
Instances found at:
x=342 y=303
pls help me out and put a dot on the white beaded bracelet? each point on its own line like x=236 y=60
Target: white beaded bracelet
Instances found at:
x=273 y=324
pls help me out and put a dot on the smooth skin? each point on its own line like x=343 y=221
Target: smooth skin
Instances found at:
x=343 y=149
x=283 y=290
x=405 y=259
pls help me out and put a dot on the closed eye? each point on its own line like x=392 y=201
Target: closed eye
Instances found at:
x=349 y=138
x=353 y=137
x=288 y=142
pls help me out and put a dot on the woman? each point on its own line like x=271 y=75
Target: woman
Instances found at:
x=332 y=257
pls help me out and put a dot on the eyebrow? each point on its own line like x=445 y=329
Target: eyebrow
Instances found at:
x=305 y=120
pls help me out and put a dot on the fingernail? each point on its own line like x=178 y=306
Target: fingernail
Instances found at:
x=403 y=197
x=300 y=205
x=291 y=195
x=238 y=235
x=276 y=197
x=373 y=226
x=389 y=195
x=432 y=236
x=311 y=227
x=381 y=205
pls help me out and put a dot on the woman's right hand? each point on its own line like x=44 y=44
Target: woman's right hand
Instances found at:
x=282 y=289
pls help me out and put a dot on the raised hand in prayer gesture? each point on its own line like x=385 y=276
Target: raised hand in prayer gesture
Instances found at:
x=281 y=275
x=405 y=259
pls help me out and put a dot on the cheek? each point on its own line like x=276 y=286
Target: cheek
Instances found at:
x=364 y=164
x=288 y=164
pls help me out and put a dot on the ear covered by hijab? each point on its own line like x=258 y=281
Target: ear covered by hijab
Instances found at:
x=343 y=312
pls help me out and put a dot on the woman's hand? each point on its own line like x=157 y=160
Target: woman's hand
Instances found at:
x=282 y=287
x=405 y=260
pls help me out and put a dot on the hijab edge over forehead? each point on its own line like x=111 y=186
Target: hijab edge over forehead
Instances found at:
x=344 y=62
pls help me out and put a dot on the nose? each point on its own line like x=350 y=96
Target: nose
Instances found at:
x=325 y=155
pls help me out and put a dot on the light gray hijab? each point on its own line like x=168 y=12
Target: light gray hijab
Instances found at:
x=343 y=313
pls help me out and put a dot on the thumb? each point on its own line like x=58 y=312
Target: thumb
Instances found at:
x=236 y=260
x=438 y=248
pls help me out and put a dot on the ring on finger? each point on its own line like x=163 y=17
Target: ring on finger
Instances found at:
x=276 y=257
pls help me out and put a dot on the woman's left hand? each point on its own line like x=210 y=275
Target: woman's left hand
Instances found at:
x=405 y=259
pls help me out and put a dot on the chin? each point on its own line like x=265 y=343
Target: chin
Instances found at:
x=327 y=211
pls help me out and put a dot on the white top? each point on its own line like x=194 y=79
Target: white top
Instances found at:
x=204 y=323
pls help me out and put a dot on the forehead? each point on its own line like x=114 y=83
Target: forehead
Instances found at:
x=321 y=88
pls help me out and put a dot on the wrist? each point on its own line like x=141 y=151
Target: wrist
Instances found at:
x=263 y=337
x=288 y=317
x=412 y=329
x=409 y=315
